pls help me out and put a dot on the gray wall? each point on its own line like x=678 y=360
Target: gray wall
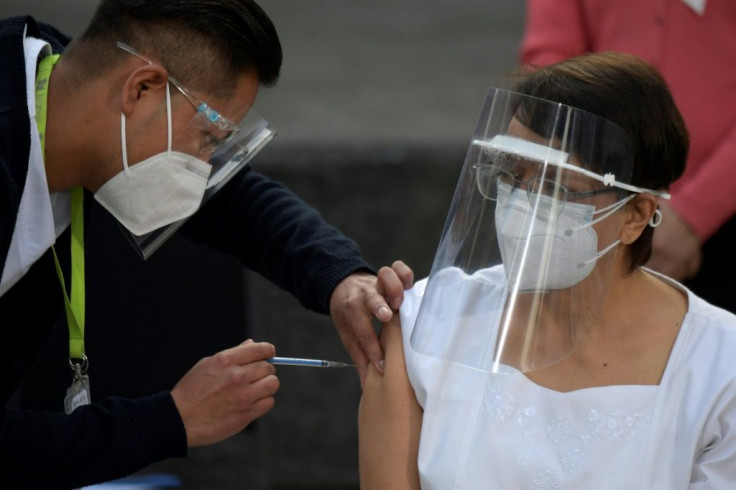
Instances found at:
x=374 y=110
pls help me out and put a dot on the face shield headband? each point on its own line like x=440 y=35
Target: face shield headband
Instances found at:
x=529 y=246
x=502 y=143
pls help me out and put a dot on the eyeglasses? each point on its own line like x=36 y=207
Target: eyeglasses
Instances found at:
x=211 y=115
x=490 y=176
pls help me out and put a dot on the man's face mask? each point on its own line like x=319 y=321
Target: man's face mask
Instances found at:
x=170 y=186
x=158 y=191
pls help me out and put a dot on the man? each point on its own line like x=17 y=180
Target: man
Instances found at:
x=132 y=112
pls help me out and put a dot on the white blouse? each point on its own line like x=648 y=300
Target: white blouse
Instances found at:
x=503 y=431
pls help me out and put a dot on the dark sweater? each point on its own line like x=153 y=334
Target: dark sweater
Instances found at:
x=260 y=222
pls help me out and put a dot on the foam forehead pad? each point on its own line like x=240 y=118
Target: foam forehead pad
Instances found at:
x=523 y=148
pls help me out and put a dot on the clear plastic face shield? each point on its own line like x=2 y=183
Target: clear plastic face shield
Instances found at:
x=227 y=160
x=525 y=261
x=210 y=137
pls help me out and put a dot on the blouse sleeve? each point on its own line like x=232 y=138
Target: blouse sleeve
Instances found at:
x=715 y=467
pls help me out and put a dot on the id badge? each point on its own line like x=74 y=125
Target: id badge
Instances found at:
x=77 y=394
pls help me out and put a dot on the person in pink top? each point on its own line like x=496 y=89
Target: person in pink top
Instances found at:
x=693 y=45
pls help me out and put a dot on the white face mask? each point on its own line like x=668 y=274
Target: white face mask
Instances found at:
x=159 y=190
x=541 y=256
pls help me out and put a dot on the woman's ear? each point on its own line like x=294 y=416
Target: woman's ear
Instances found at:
x=639 y=212
x=143 y=89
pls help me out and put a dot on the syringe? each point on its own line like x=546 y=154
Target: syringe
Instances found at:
x=294 y=361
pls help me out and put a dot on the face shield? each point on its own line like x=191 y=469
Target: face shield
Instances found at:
x=211 y=144
x=226 y=160
x=525 y=260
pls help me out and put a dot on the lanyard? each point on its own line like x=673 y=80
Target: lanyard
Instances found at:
x=74 y=305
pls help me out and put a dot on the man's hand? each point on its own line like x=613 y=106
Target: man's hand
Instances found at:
x=222 y=394
x=360 y=297
x=675 y=248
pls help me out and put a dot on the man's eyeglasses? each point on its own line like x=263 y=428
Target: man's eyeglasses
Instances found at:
x=214 y=117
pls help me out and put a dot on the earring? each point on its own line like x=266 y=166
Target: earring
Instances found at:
x=656 y=222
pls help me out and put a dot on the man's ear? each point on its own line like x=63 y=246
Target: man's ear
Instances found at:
x=143 y=89
x=638 y=213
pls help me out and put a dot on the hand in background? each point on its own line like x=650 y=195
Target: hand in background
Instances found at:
x=222 y=394
x=359 y=298
x=675 y=248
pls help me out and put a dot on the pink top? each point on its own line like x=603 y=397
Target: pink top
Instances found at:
x=695 y=54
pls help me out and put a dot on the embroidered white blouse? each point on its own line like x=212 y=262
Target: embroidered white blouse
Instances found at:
x=482 y=431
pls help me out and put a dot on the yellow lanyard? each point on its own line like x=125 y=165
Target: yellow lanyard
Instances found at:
x=74 y=305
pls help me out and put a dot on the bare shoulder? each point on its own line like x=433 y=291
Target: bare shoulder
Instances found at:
x=389 y=421
x=393 y=387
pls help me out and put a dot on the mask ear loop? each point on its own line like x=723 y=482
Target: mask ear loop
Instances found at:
x=607 y=211
x=652 y=222
x=168 y=117
x=600 y=254
x=124 y=144
x=123 y=140
x=658 y=221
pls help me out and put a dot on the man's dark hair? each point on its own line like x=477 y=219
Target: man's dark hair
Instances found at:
x=207 y=44
x=631 y=93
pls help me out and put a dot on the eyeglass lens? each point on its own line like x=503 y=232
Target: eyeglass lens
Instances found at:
x=489 y=177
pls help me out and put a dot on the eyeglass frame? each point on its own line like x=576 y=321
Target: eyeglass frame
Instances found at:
x=517 y=183
x=220 y=121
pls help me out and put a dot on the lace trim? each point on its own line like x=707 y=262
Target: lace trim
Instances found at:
x=549 y=432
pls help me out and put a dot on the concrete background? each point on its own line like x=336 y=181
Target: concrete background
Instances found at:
x=374 y=110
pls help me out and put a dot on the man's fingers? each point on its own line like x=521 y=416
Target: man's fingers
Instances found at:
x=356 y=350
x=266 y=386
x=258 y=407
x=251 y=373
x=378 y=306
x=358 y=299
x=258 y=397
x=390 y=286
x=406 y=275
x=246 y=353
x=369 y=343
x=261 y=407
x=220 y=396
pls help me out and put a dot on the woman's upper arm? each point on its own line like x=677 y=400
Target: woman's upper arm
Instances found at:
x=389 y=421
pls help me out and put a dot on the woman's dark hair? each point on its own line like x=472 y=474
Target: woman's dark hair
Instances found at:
x=207 y=44
x=629 y=92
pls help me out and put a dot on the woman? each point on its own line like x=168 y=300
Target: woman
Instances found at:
x=539 y=353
